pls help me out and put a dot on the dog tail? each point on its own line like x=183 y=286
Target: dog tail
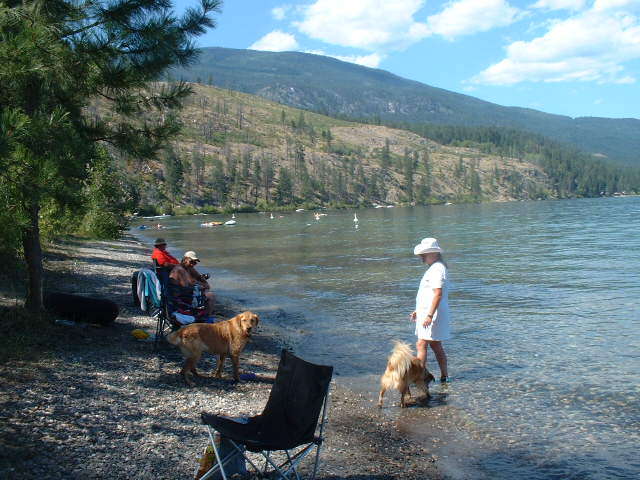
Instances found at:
x=399 y=361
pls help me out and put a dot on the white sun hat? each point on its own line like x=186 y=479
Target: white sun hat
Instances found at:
x=427 y=245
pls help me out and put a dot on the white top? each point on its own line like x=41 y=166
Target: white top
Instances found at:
x=434 y=277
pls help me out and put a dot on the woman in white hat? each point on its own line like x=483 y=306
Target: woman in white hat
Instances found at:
x=432 y=307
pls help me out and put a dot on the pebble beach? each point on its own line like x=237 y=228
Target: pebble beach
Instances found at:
x=107 y=405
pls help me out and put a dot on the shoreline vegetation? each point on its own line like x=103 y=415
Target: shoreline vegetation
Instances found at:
x=81 y=401
x=149 y=214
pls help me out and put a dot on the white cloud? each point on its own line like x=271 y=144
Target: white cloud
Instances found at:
x=465 y=17
x=372 y=60
x=276 y=41
x=592 y=46
x=602 y=5
x=367 y=24
x=560 y=4
x=280 y=13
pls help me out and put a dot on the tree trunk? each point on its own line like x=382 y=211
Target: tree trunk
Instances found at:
x=33 y=257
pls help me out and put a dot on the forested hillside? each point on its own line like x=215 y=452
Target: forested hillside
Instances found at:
x=238 y=151
x=336 y=88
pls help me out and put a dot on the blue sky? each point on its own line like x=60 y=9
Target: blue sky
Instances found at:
x=569 y=57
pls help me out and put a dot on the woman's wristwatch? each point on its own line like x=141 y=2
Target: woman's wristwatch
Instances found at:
x=429 y=315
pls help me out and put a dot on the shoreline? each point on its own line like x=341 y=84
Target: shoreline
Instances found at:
x=292 y=209
x=106 y=404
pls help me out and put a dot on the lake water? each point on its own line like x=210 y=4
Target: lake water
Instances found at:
x=545 y=359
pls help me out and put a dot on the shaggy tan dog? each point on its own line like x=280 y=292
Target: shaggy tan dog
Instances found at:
x=224 y=338
x=403 y=369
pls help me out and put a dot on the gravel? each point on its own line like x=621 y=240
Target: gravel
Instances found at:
x=109 y=406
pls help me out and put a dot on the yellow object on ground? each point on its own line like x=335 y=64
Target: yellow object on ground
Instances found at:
x=140 y=334
x=206 y=462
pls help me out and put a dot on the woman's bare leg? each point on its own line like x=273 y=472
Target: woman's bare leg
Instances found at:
x=421 y=347
x=441 y=357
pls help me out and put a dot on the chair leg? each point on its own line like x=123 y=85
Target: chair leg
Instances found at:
x=290 y=465
x=317 y=460
x=163 y=327
x=239 y=450
x=159 y=329
x=293 y=465
x=283 y=474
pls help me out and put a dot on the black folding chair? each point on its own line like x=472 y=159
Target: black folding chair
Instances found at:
x=165 y=322
x=288 y=424
x=169 y=303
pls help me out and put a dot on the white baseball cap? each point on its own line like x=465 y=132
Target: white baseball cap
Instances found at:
x=192 y=255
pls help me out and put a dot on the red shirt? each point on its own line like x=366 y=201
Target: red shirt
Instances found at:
x=163 y=257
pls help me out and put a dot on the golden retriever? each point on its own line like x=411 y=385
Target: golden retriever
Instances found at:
x=403 y=369
x=228 y=337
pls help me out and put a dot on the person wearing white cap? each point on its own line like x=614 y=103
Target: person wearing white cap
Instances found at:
x=432 y=307
x=185 y=275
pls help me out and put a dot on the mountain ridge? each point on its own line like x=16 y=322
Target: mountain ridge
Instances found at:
x=331 y=86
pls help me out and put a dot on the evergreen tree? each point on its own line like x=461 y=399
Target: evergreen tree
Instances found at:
x=328 y=138
x=284 y=189
x=475 y=183
x=256 y=181
x=459 y=170
x=197 y=159
x=107 y=196
x=385 y=156
x=299 y=166
x=173 y=174
x=247 y=162
x=57 y=56
x=307 y=188
x=268 y=174
x=220 y=184
x=408 y=170
x=301 y=122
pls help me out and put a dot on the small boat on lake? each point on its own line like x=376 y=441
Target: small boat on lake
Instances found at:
x=210 y=224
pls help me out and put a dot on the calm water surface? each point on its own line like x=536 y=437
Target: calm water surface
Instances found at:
x=545 y=357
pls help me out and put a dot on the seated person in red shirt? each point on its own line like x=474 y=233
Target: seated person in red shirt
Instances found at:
x=185 y=275
x=160 y=255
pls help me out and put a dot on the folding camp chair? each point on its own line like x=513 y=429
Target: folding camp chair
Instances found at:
x=289 y=422
x=165 y=323
x=164 y=313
